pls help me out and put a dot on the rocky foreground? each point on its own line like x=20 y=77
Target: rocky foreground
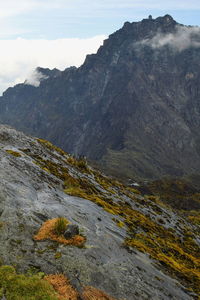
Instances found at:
x=135 y=247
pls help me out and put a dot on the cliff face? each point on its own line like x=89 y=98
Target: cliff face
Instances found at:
x=133 y=106
x=134 y=247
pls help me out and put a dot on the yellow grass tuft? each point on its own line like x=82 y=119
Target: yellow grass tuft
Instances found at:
x=13 y=153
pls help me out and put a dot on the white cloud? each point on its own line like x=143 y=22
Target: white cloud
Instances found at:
x=183 y=38
x=35 y=78
x=20 y=57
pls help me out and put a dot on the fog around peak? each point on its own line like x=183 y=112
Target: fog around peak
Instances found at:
x=20 y=57
x=183 y=38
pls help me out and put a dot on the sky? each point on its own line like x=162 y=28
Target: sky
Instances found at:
x=59 y=33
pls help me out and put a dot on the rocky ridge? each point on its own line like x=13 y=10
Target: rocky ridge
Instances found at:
x=133 y=107
x=136 y=247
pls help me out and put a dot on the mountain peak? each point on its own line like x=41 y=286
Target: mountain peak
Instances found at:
x=155 y=24
x=148 y=26
x=141 y=84
x=166 y=20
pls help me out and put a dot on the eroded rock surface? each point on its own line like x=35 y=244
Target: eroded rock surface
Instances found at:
x=30 y=194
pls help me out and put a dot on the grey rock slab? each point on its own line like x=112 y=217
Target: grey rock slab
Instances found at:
x=26 y=202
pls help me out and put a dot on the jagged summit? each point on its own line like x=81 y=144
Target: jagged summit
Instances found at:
x=166 y=19
x=148 y=27
x=48 y=72
x=133 y=107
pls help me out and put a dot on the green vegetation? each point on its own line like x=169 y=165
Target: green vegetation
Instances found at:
x=40 y=287
x=195 y=219
x=58 y=255
x=79 y=162
x=178 y=254
x=24 y=287
x=133 y=190
x=14 y=153
x=119 y=223
x=177 y=193
x=179 y=257
x=60 y=226
x=51 y=147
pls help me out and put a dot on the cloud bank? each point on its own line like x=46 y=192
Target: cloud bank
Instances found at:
x=184 y=37
x=20 y=57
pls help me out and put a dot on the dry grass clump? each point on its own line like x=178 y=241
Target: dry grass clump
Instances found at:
x=51 y=147
x=62 y=286
x=14 y=153
x=47 y=232
x=181 y=259
x=79 y=162
x=90 y=293
x=195 y=219
x=36 y=287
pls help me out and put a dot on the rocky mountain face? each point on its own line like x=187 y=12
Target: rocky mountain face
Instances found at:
x=133 y=107
x=127 y=245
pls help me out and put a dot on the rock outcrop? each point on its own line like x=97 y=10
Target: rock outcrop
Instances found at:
x=135 y=247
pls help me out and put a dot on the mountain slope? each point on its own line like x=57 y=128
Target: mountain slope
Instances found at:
x=133 y=107
x=134 y=247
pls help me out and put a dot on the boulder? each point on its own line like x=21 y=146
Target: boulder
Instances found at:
x=71 y=231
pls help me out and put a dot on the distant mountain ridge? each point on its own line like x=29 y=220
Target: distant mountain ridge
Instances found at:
x=133 y=107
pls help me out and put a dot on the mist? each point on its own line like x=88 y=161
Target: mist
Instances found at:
x=20 y=57
x=183 y=38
